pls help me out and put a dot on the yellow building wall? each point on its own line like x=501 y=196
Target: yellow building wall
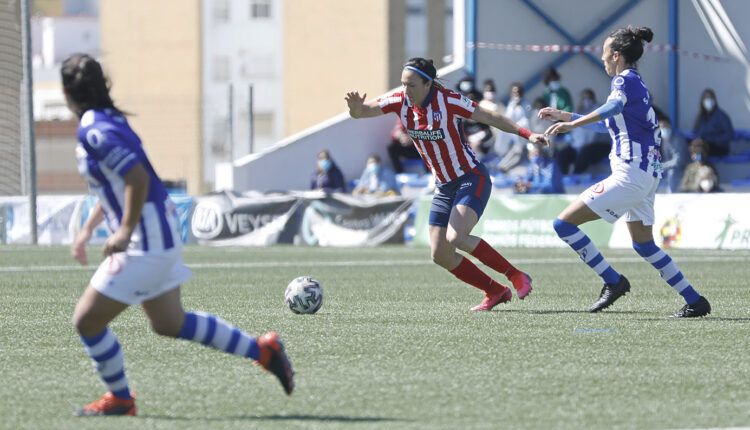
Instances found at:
x=151 y=51
x=334 y=46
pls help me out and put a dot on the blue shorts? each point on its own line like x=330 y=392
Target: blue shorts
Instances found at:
x=472 y=189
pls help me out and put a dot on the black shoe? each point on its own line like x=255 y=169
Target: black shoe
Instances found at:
x=610 y=293
x=701 y=308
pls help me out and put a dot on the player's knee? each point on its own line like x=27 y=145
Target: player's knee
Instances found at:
x=441 y=257
x=455 y=238
x=165 y=328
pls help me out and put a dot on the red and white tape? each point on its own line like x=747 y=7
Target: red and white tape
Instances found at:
x=578 y=49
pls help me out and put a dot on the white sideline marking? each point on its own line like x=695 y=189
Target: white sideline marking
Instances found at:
x=369 y=263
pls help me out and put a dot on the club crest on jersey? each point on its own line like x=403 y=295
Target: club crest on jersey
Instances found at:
x=427 y=134
x=437 y=116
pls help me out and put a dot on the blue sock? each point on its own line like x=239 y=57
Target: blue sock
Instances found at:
x=586 y=249
x=668 y=270
x=105 y=350
x=214 y=332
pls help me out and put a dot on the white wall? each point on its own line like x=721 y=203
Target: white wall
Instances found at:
x=514 y=22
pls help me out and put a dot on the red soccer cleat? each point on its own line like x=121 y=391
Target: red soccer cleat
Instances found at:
x=108 y=404
x=493 y=299
x=274 y=359
x=522 y=284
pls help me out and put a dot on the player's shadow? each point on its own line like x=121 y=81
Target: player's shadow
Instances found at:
x=707 y=319
x=566 y=311
x=294 y=417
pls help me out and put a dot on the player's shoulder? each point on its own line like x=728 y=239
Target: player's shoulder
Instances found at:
x=626 y=78
x=99 y=126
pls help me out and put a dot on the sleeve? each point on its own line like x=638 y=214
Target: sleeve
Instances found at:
x=108 y=148
x=618 y=90
x=391 y=103
x=460 y=105
x=599 y=126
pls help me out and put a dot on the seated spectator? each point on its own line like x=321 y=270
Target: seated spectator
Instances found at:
x=376 y=179
x=401 y=146
x=590 y=146
x=511 y=147
x=489 y=97
x=700 y=176
x=713 y=126
x=555 y=95
x=327 y=175
x=536 y=124
x=543 y=176
x=674 y=154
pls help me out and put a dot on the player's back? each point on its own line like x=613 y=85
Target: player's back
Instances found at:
x=108 y=148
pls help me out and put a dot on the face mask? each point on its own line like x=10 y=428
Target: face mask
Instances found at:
x=554 y=85
x=698 y=157
x=324 y=164
x=465 y=86
x=706 y=185
x=489 y=95
x=515 y=99
x=709 y=103
x=373 y=168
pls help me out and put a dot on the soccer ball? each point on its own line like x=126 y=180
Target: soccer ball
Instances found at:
x=304 y=295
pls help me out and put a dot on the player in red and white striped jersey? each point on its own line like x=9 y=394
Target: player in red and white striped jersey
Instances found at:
x=432 y=116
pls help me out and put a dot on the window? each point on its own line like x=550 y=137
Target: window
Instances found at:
x=220 y=68
x=220 y=10
x=260 y=9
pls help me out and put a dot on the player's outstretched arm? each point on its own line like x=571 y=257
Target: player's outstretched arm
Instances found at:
x=504 y=123
x=358 y=108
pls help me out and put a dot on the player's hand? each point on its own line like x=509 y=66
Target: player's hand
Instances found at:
x=560 y=127
x=118 y=242
x=552 y=114
x=539 y=138
x=78 y=247
x=355 y=102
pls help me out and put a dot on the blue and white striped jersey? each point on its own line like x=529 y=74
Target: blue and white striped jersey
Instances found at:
x=107 y=149
x=635 y=130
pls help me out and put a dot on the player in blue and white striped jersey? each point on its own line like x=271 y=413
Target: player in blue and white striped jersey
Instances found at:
x=143 y=263
x=629 y=117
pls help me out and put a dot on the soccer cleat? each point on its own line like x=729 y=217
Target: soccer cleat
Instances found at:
x=274 y=359
x=493 y=299
x=701 y=308
x=610 y=293
x=108 y=404
x=522 y=284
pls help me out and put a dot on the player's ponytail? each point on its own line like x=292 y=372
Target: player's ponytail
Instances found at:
x=85 y=85
x=629 y=42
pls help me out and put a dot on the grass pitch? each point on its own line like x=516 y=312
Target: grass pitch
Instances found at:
x=394 y=346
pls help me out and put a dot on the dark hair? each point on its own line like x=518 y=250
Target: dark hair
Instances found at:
x=424 y=65
x=628 y=42
x=702 y=112
x=489 y=85
x=551 y=75
x=85 y=84
x=519 y=86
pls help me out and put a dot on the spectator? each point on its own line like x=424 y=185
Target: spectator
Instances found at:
x=674 y=154
x=402 y=146
x=590 y=146
x=543 y=176
x=510 y=147
x=478 y=135
x=537 y=124
x=555 y=95
x=489 y=97
x=713 y=126
x=700 y=176
x=327 y=175
x=376 y=179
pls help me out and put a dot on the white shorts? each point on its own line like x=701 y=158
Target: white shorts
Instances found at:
x=627 y=191
x=135 y=277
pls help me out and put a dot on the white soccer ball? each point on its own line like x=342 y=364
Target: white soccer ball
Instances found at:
x=304 y=295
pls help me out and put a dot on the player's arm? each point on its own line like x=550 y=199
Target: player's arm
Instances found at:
x=614 y=105
x=504 y=123
x=136 y=190
x=78 y=248
x=359 y=109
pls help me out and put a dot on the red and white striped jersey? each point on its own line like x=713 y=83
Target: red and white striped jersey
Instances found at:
x=435 y=128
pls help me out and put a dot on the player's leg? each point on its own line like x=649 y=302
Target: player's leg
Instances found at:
x=643 y=243
x=169 y=319
x=91 y=317
x=566 y=227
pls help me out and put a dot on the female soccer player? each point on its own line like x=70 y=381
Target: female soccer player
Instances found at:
x=432 y=116
x=636 y=169
x=143 y=259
